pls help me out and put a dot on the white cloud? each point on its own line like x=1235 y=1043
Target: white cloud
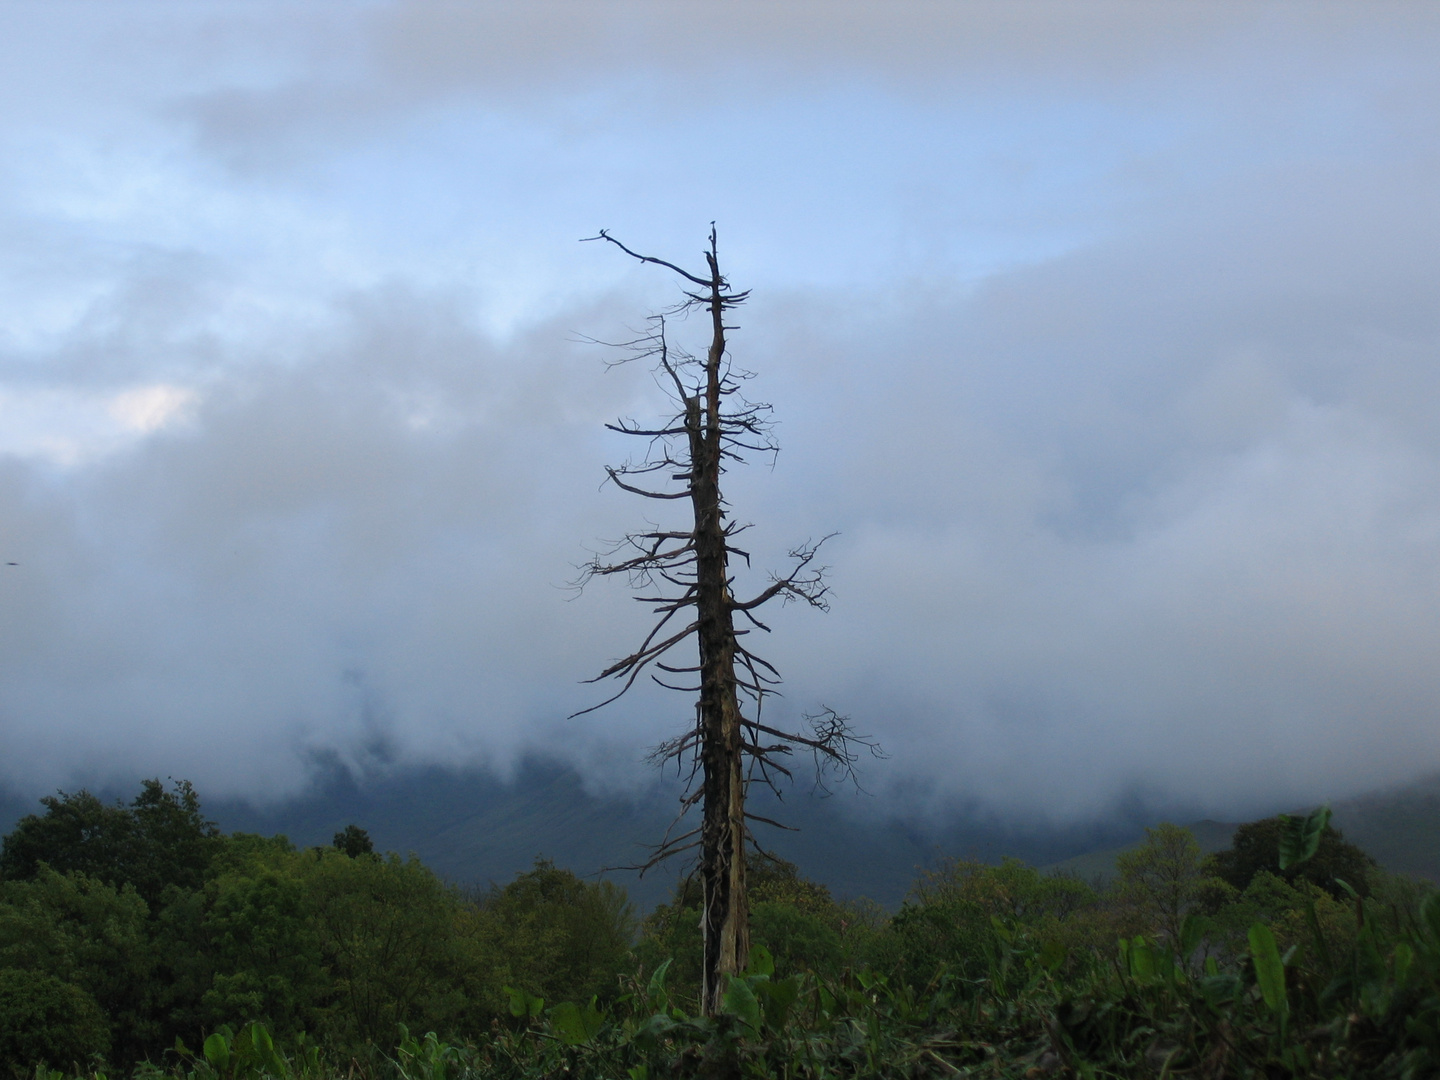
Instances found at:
x=150 y=408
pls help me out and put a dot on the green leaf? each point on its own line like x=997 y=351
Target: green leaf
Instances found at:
x=780 y=998
x=1141 y=958
x=740 y=1001
x=1404 y=958
x=1193 y=932
x=566 y=1023
x=869 y=979
x=1300 y=837
x=517 y=1002
x=1430 y=913
x=575 y=1025
x=655 y=991
x=1269 y=968
x=657 y=1027
x=217 y=1052
x=523 y=1005
x=761 y=962
x=1219 y=989
x=1053 y=954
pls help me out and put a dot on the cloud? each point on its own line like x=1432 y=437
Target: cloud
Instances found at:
x=1105 y=337
x=1155 y=517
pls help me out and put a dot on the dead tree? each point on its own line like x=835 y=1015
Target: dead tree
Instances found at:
x=685 y=573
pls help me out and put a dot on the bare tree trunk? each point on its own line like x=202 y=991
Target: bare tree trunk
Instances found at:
x=726 y=915
x=687 y=570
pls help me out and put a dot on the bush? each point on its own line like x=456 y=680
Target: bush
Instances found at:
x=1256 y=848
x=556 y=936
x=45 y=1020
x=89 y=935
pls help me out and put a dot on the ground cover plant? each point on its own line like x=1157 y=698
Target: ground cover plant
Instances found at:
x=135 y=940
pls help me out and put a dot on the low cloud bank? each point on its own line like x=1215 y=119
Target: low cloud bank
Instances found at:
x=1110 y=357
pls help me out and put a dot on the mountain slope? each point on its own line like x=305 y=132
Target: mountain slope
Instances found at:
x=1399 y=828
x=474 y=829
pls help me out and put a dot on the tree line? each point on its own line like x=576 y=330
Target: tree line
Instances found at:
x=124 y=927
x=135 y=933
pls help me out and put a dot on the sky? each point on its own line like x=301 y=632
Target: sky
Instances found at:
x=1105 y=336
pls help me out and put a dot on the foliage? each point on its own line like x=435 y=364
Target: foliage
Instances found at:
x=557 y=936
x=1163 y=880
x=793 y=918
x=265 y=950
x=995 y=971
x=252 y=1053
x=386 y=929
x=44 y=1019
x=947 y=924
x=267 y=938
x=354 y=841
x=159 y=841
x=1257 y=847
x=90 y=935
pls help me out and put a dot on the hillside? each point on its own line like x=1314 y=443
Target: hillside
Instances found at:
x=1399 y=828
x=1099 y=865
x=475 y=829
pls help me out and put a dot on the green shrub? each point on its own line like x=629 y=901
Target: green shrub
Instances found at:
x=555 y=935
x=1256 y=848
x=45 y=1020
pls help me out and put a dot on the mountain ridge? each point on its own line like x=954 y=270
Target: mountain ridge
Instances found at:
x=477 y=829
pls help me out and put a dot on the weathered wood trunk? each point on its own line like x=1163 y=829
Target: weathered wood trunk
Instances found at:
x=688 y=571
x=725 y=920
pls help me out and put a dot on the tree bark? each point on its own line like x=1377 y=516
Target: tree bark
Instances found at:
x=725 y=917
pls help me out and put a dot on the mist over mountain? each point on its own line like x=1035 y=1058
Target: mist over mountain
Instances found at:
x=477 y=829
x=1104 y=336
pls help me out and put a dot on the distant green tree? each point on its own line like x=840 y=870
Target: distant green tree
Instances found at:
x=796 y=919
x=76 y=833
x=354 y=841
x=1256 y=847
x=948 y=920
x=190 y=935
x=778 y=881
x=174 y=841
x=1163 y=880
x=557 y=936
x=264 y=950
x=387 y=936
x=159 y=841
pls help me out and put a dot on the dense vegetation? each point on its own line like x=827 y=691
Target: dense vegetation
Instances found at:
x=136 y=939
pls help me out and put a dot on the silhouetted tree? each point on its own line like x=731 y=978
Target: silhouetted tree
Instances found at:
x=684 y=571
x=354 y=841
x=160 y=839
x=1256 y=847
